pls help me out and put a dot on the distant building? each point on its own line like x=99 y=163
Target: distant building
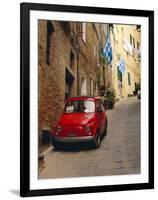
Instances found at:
x=126 y=44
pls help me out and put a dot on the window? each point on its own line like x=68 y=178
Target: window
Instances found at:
x=50 y=30
x=83 y=86
x=130 y=39
x=91 y=86
x=129 y=79
x=84 y=32
x=138 y=45
x=138 y=28
x=72 y=60
x=69 y=78
x=79 y=106
x=133 y=42
x=119 y=74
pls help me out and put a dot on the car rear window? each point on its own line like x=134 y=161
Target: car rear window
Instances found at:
x=80 y=106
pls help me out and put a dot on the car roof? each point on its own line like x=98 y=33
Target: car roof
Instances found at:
x=92 y=98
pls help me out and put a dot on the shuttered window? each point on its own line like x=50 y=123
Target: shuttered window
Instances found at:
x=129 y=79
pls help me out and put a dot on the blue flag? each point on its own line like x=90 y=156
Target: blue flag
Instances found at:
x=107 y=51
x=122 y=66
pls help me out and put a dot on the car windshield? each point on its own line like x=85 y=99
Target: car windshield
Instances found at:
x=80 y=106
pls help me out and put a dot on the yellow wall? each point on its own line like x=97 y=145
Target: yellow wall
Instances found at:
x=118 y=33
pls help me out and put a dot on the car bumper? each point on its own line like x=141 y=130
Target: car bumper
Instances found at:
x=73 y=139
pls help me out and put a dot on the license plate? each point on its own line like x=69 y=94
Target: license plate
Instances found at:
x=72 y=135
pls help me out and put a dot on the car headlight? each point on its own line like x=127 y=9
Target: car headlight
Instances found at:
x=87 y=129
x=58 y=129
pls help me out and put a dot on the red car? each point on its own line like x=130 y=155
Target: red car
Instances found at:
x=83 y=120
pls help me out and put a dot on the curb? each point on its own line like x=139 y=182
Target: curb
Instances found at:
x=41 y=158
x=45 y=152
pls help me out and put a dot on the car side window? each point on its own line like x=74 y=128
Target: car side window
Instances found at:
x=98 y=106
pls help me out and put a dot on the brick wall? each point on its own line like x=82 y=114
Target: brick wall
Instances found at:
x=52 y=76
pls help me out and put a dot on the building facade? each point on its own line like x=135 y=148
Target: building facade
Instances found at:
x=69 y=65
x=126 y=44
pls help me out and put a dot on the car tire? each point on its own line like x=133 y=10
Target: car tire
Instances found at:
x=97 y=141
x=56 y=145
x=106 y=127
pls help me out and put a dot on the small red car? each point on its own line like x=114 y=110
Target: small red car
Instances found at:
x=83 y=120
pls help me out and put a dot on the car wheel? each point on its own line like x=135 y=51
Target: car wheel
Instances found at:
x=97 y=141
x=106 y=127
x=56 y=145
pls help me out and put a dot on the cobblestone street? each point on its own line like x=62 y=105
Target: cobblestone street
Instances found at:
x=118 y=154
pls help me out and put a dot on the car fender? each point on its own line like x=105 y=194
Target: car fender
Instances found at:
x=95 y=127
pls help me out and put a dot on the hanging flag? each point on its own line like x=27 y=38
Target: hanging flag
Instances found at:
x=107 y=51
x=122 y=66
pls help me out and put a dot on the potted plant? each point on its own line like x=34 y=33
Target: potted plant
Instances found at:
x=110 y=98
